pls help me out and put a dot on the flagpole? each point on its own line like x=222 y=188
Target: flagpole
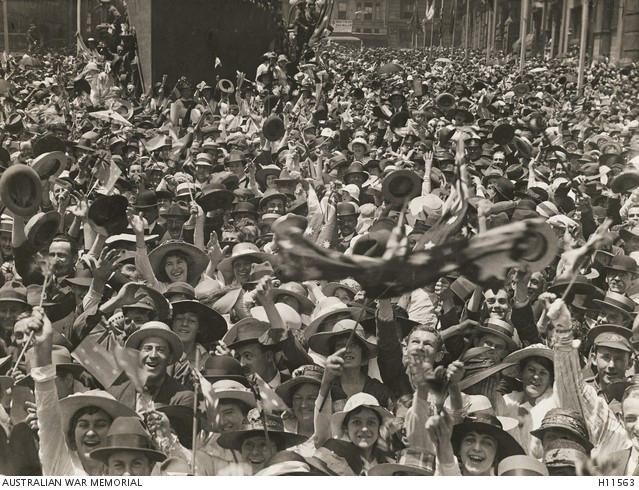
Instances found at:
x=78 y=20
x=522 y=35
x=489 y=19
x=466 y=40
x=5 y=22
x=582 y=45
x=432 y=31
x=452 y=20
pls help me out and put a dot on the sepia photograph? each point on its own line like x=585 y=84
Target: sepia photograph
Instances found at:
x=318 y=238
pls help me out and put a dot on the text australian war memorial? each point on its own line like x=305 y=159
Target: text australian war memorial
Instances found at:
x=318 y=238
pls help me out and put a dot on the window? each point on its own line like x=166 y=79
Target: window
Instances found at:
x=378 y=11
x=407 y=9
x=341 y=10
x=368 y=11
x=366 y=31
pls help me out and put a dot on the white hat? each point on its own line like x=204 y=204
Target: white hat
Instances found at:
x=290 y=317
x=353 y=190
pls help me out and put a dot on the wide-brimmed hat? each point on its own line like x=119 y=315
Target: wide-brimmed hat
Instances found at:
x=41 y=228
x=579 y=285
x=568 y=420
x=297 y=292
x=356 y=168
x=535 y=350
x=218 y=368
x=329 y=311
x=411 y=461
x=127 y=434
x=270 y=194
x=501 y=329
x=248 y=329
x=255 y=427
x=484 y=423
x=480 y=363
x=21 y=190
x=356 y=401
x=214 y=196
x=197 y=259
x=156 y=329
x=608 y=335
x=309 y=373
x=152 y=300
x=92 y=398
x=617 y=302
x=212 y=325
x=243 y=250
x=50 y=164
x=521 y=465
x=322 y=342
x=330 y=287
x=13 y=292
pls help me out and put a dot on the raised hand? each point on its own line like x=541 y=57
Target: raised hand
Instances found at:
x=264 y=290
x=334 y=364
x=214 y=251
x=136 y=222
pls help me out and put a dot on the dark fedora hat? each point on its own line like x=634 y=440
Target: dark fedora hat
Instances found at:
x=145 y=199
x=127 y=434
x=218 y=368
x=504 y=188
x=623 y=263
x=41 y=228
x=214 y=196
x=21 y=190
x=107 y=215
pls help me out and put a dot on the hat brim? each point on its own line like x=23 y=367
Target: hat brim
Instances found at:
x=576 y=288
x=512 y=345
x=216 y=199
x=327 y=320
x=102 y=454
x=212 y=327
x=518 y=356
x=539 y=434
x=321 y=342
x=243 y=396
x=71 y=404
x=473 y=379
x=50 y=164
x=389 y=469
x=285 y=389
x=40 y=230
x=627 y=235
x=199 y=260
x=602 y=304
x=234 y=439
x=595 y=331
x=226 y=265
x=506 y=444
x=306 y=305
x=136 y=338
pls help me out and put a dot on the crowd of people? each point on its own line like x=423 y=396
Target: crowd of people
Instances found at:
x=365 y=262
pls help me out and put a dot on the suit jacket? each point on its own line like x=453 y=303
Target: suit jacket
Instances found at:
x=170 y=393
x=619 y=462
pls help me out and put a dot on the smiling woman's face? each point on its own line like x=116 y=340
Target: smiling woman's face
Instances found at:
x=90 y=432
x=478 y=453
